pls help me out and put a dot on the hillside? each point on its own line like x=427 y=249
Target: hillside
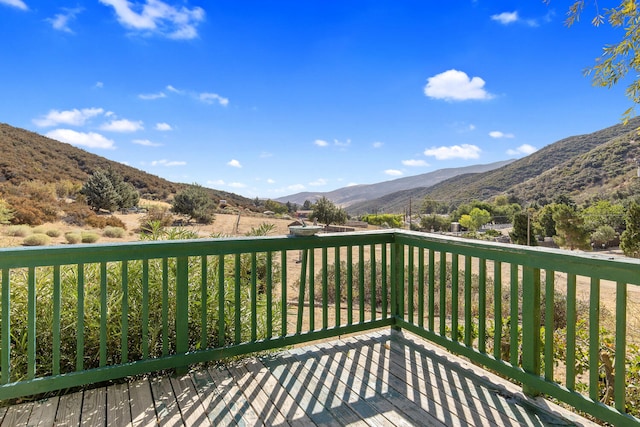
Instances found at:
x=29 y=156
x=348 y=196
x=555 y=162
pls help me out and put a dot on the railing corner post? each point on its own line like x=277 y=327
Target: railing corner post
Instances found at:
x=397 y=278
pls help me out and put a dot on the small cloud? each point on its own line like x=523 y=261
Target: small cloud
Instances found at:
x=454 y=85
x=15 y=3
x=99 y=85
x=393 y=172
x=73 y=117
x=146 y=143
x=158 y=17
x=61 y=21
x=271 y=181
x=234 y=163
x=464 y=151
x=497 y=134
x=342 y=144
x=89 y=139
x=163 y=127
x=378 y=144
x=505 y=18
x=296 y=187
x=168 y=163
x=174 y=90
x=524 y=149
x=415 y=163
x=352 y=184
x=237 y=185
x=318 y=182
x=152 y=96
x=122 y=125
x=321 y=143
x=211 y=98
x=216 y=182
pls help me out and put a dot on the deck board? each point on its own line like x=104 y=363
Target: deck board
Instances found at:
x=378 y=379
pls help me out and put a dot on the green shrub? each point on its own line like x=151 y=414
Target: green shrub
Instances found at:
x=100 y=221
x=37 y=239
x=89 y=237
x=113 y=232
x=73 y=237
x=51 y=232
x=18 y=230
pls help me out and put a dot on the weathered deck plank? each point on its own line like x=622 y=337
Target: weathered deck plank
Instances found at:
x=378 y=379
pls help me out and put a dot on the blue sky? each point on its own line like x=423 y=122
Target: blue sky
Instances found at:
x=269 y=98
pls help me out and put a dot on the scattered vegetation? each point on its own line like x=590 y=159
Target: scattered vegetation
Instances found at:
x=73 y=237
x=113 y=232
x=89 y=237
x=36 y=239
x=18 y=230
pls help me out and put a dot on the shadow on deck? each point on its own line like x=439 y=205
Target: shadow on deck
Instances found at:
x=378 y=379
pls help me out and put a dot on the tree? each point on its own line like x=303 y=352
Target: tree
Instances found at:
x=435 y=222
x=522 y=230
x=570 y=230
x=6 y=213
x=618 y=59
x=276 y=207
x=475 y=219
x=328 y=213
x=195 y=203
x=603 y=235
x=100 y=192
x=604 y=213
x=107 y=190
x=544 y=220
x=306 y=205
x=630 y=238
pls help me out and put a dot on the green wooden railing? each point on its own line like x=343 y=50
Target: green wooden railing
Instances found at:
x=77 y=315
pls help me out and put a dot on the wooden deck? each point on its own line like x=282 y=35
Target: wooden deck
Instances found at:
x=378 y=379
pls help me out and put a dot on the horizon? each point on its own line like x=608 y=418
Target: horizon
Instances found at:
x=270 y=100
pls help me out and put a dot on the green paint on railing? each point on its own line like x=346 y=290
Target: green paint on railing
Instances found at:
x=455 y=296
x=594 y=338
x=361 y=282
x=204 y=302
x=497 y=310
x=468 y=321
x=124 y=322
x=513 y=316
x=31 y=324
x=549 y=323
x=482 y=305
x=312 y=290
x=145 y=309
x=57 y=305
x=165 y=306
x=530 y=325
x=421 y=287
x=80 y=320
x=349 y=285
x=103 y=314
x=571 y=332
x=254 y=296
x=620 y=367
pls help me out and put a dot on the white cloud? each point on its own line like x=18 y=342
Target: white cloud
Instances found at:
x=234 y=163
x=89 y=139
x=216 y=182
x=73 y=117
x=152 y=96
x=454 y=85
x=321 y=143
x=524 y=149
x=168 y=163
x=210 y=98
x=506 y=18
x=99 y=85
x=296 y=187
x=271 y=181
x=497 y=134
x=61 y=21
x=318 y=182
x=464 y=151
x=146 y=143
x=122 y=125
x=15 y=3
x=237 y=185
x=163 y=127
x=378 y=144
x=414 y=163
x=342 y=144
x=393 y=172
x=158 y=17
x=352 y=184
x=174 y=90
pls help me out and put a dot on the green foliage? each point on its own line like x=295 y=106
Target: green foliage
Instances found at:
x=263 y=230
x=544 y=220
x=431 y=206
x=522 y=233
x=603 y=236
x=113 y=232
x=195 y=203
x=630 y=238
x=6 y=213
x=89 y=237
x=326 y=212
x=435 y=222
x=602 y=213
x=36 y=239
x=73 y=237
x=156 y=213
x=51 y=232
x=276 y=207
x=570 y=230
x=475 y=219
x=107 y=190
x=384 y=220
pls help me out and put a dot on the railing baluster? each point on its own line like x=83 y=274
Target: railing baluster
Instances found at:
x=421 y=287
x=482 y=305
x=361 y=282
x=237 y=327
x=312 y=291
x=468 y=321
x=283 y=291
x=204 y=302
x=31 y=323
x=57 y=305
x=432 y=289
x=5 y=355
x=372 y=281
x=549 y=323
x=571 y=332
x=301 y=291
x=337 y=283
x=594 y=337
x=531 y=325
x=103 y=313
x=221 y=325
x=254 y=297
x=349 y=285
x=124 y=323
x=145 y=308
x=442 y=287
x=410 y=283
x=165 y=306
x=80 y=320
x=385 y=284
x=514 y=316
x=325 y=289
x=269 y=290
x=621 y=347
x=455 y=295
x=497 y=310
